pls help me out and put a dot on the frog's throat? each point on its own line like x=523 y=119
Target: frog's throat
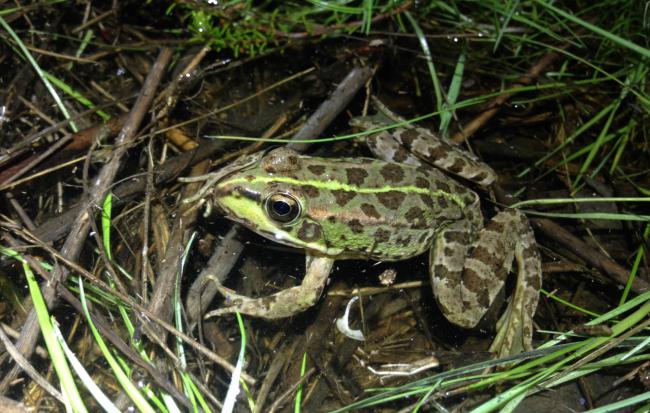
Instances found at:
x=335 y=186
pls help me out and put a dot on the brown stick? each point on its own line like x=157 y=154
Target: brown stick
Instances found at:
x=78 y=142
x=496 y=103
x=584 y=251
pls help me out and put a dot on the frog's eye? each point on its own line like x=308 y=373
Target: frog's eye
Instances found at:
x=283 y=208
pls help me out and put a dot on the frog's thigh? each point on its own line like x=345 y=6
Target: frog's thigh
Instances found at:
x=447 y=260
x=286 y=302
x=466 y=287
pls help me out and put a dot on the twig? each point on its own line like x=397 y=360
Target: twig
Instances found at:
x=587 y=253
x=28 y=368
x=281 y=400
x=495 y=104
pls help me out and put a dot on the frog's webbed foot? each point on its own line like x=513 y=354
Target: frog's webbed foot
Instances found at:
x=514 y=333
x=284 y=303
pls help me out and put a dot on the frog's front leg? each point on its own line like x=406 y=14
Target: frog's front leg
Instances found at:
x=468 y=273
x=286 y=302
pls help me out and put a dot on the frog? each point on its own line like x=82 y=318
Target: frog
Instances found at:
x=413 y=197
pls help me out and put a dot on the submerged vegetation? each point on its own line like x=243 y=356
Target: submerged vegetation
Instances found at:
x=104 y=106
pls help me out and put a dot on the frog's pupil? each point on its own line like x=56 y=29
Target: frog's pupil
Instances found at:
x=281 y=208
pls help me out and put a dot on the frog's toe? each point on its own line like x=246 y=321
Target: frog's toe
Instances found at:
x=514 y=334
x=219 y=312
x=235 y=303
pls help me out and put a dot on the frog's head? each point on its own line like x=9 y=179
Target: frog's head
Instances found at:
x=267 y=198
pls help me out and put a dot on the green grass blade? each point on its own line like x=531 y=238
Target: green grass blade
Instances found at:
x=303 y=369
x=76 y=95
x=622 y=404
x=100 y=397
x=107 y=209
x=592 y=27
x=637 y=262
x=57 y=354
x=453 y=93
x=506 y=21
x=129 y=388
x=424 y=45
x=39 y=72
x=233 y=387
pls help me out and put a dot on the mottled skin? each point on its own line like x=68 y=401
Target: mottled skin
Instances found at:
x=362 y=208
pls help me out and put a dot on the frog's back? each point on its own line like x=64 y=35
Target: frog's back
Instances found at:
x=376 y=209
x=344 y=207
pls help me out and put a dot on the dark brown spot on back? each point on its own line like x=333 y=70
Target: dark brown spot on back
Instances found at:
x=441 y=271
x=282 y=159
x=407 y=136
x=316 y=169
x=413 y=213
x=391 y=199
x=460 y=237
x=401 y=154
x=495 y=226
x=355 y=226
x=381 y=235
x=483 y=255
x=427 y=200
x=370 y=210
x=443 y=187
x=343 y=197
x=404 y=240
x=421 y=182
x=474 y=283
x=356 y=176
x=437 y=152
x=480 y=177
x=392 y=172
x=310 y=190
x=458 y=165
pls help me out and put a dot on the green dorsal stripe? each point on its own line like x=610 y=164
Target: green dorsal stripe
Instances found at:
x=339 y=186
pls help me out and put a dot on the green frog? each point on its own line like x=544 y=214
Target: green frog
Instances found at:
x=388 y=209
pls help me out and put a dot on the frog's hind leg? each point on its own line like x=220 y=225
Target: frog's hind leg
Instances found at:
x=515 y=327
x=284 y=303
x=468 y=274
x=384 y=146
